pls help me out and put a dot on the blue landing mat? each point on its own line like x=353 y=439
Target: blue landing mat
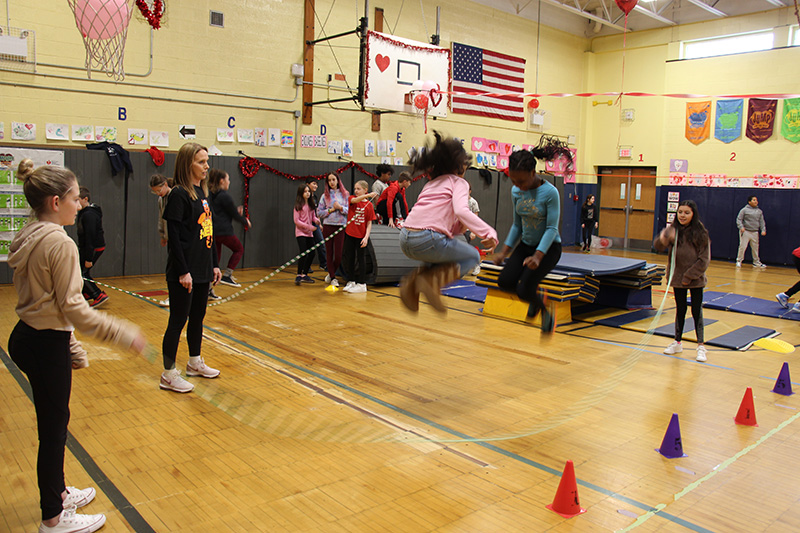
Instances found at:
x=669 y=329
x=628 y=318
x=728 y=301
x=741 y=338
x=466 y=290
x=597 y=265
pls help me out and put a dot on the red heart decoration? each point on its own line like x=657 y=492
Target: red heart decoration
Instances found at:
x=434 y=93
x=153 y=16
x=382 y=62
x=627 y=5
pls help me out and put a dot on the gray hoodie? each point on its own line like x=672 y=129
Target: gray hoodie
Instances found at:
x=751 y=219
x=47 y=277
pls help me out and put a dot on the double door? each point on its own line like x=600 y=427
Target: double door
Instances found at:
x=627 y=205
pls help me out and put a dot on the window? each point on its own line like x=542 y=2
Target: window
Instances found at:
x=794 y=36
x=730 y=44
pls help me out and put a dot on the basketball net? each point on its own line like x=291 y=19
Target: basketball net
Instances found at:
x=104 y=27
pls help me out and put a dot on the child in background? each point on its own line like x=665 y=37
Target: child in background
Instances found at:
x=783 y=298
x=321 y=251
x=692 y=255
x=359 y=223
x=392 y=205
x=91 y=244
x=441 y=212
x=332 y=211
x=384 y=173
x=224 y=213
x=589 y=222
x=161 y=185
x=47 y=278
x=304 y=222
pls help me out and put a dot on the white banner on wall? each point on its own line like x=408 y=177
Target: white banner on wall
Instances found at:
x=10 y=157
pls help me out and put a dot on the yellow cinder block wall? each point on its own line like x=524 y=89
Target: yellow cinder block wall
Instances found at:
x=204 y=75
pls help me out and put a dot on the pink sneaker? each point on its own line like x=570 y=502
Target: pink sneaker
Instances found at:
x=202 y=370
x=172 y=380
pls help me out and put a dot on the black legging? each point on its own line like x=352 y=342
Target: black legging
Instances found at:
x=44 y=357
x=304 y=263
x=515 y=277
x=796 y=287
x=587 y=233
x=697 y=312
x=355 y=267
x=183 y=306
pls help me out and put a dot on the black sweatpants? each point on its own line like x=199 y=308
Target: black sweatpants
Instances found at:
x=90 y=290
x=697 y=312
x=304 y=263
x=796 y=287
x=183 y=306
x=43 y=355
x=354 y=266
x=515 y=277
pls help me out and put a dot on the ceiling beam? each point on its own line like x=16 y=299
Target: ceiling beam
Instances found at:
x=644 y=11
x=584 y=14
x=712 y=10
x=777 y=3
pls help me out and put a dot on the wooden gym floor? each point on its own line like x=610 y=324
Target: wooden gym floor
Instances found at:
x=345 y=413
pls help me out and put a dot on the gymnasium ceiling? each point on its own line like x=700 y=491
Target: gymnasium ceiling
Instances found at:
x=589 y=18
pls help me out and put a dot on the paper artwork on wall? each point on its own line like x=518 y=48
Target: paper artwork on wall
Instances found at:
x=213 y=150
x=502 y=162
x=225 y=135
x=274 y=138
x=56 y=132
x=137 y=136
x=287 y=138
x=369 y=148
x=382 y=148
x=672 y=206
x=159 y=138
x=105 y=133
x=504 y=149
x=679 y=165
x=398 y=161
x=23 y=131
x=347 y=148
x=492 y=146
x=478 y=144
x=493 y=160
x=670 y=218
x=260 y=137
x=2 y=130
x=386 y=160
x=245 y=135
x=82 y=132
x=335 y=147
x=391 y=149
x=673 y=196
x=481 y=159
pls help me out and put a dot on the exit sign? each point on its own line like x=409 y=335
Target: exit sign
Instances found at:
x=625 y=153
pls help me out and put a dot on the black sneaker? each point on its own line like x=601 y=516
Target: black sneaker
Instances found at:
x=548 y=322
x=230 y=280
x=212 y=295
x=298 y=280
x=307 y=279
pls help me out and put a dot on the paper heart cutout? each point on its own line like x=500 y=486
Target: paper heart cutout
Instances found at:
x=433 y=96
x=382 y=62
x=478 y=145
x=29 y=126
x=678 y=165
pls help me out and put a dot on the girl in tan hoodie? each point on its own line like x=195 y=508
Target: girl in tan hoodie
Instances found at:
x=47 y=277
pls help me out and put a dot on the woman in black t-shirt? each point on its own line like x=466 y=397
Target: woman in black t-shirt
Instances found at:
x=192 y=265
x=589 y=221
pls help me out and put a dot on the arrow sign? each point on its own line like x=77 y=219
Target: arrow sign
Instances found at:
x=187 y=132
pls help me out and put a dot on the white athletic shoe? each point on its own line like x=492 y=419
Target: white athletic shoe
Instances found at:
x=738 y=264
x=71 y=522
x=358 y=288
x=327 y=278
x=78 y=498
x=476 y=270
x=673 y=348
x=164 y=303
x=782 y=299
x=172 y=380
x=334 y=282
x=201 y=369
x=701 y=354
x=349 y=286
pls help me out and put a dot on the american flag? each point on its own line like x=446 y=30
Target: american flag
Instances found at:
x=484 y=71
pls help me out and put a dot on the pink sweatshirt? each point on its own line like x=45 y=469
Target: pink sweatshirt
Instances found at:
x=304 y=221
x=443 y=206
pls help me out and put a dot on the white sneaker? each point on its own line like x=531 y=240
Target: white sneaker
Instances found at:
x=164 y=303
x=327 y=278
x=673 y=348
x=78 y=498
x=172 y=380
x=201 y=369
x=759 y=265
x=796 y=307
x=782 y=299
x=701 y=354
x=358 y=288
x=71 y=522
x=335 y=282
x=476 y=270
x=349 y=286
x=738 y=264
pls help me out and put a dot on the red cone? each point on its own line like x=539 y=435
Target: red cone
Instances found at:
x=747 y=411
x=566 y=502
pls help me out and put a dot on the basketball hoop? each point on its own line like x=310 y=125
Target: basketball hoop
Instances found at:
x=104 y=27
x=425 y=96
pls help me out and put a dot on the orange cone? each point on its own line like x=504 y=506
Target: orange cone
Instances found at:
x=747 y=411
x=566 y=502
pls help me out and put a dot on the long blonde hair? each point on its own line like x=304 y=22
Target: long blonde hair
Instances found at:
x=44 y=182
x=183 y=169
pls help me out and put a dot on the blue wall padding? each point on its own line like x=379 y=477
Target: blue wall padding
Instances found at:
x=718 y=207
x=738 y=339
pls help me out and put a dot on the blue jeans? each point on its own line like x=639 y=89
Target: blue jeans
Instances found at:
x=432 y=247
